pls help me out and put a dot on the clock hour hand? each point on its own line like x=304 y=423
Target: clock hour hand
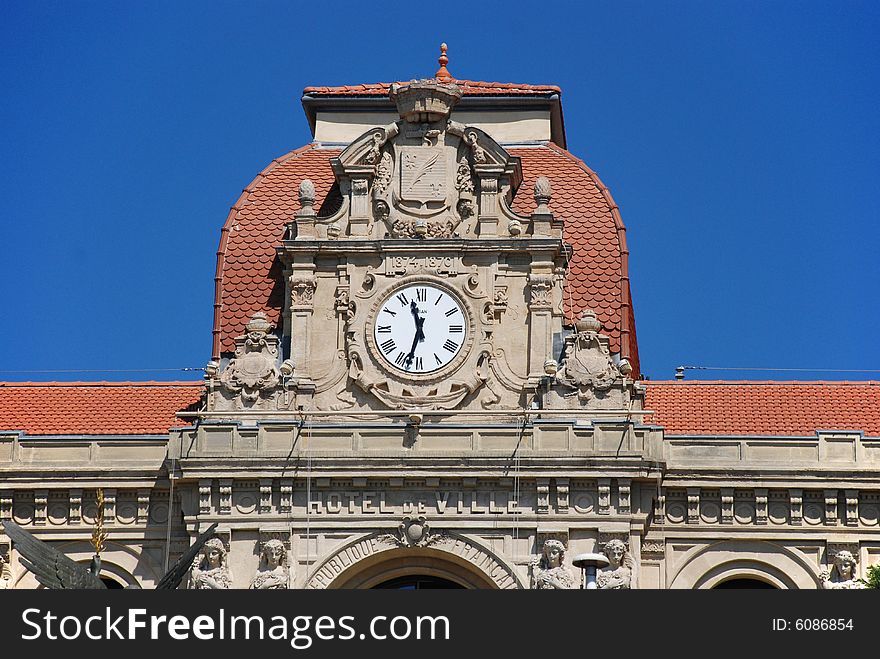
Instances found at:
x=419 y=336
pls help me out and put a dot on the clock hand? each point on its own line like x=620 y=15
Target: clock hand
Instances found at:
x=419 y=335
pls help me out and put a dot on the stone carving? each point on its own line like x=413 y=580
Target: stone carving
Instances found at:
x=302 y=290
x=842 y=574
x=542 y=195
x=620 y=571
x=5 y=573
x=413 y=532
x=384 y=171
x=540 y=291
x=306 y=197
x=253 y=371
x=587 y=366
x=210 y=571
x=477 y=152
x=374 y=154
x=414 y=228
x=549 y=570
x=272 y=573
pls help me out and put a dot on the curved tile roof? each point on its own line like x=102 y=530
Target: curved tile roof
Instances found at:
x=764 y=408
x=248 y=276
x=95 y=408
x=468 y=88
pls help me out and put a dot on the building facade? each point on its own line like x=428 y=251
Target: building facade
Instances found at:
x=426 y=374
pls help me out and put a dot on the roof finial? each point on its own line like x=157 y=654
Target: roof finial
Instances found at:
x=442 y=72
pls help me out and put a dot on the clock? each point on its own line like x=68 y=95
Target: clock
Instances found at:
x=420 y=328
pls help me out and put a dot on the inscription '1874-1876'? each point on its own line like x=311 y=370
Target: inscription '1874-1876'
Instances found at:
x=402 y=265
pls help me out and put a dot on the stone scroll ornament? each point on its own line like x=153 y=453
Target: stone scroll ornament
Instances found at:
x=413 y=532
x=588 y=366
x=253 y=371
x=549 y=571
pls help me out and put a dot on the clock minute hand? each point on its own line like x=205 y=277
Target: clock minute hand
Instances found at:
x=419 y=335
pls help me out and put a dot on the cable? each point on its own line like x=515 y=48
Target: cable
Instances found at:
x=770 y=368
x=101 y=370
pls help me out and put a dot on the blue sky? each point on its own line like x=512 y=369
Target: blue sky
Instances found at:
x=741 y=141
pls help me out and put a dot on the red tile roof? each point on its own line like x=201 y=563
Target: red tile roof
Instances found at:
x=468 y=88
x=764 y=408
x=248 y=277
x=95 y=408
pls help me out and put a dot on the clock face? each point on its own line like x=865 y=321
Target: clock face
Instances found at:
x=420 y=328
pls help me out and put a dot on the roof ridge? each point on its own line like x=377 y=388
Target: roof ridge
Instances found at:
x=768 y=383
x=382 y=86
x=102 y=383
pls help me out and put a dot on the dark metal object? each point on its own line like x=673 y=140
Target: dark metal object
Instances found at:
x=56 y=571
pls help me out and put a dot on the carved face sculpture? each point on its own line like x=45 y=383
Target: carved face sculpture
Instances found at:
x=615 y=550
x=273 y=552
x=845 y=564
x=420 y=329
x=553 y=553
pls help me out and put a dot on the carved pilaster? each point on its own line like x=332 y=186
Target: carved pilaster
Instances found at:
x=761 y=506
x=796 y=501
x=143 y=505
x=831 y=507
x=265 y=496
x=359 y=219
x=604 y=507
x=285 y=503
x=562 y=498
x=659 y=509
x=74 y=507
x=693 y=505
x=205 y=496
x=543 y=485
x=488 y=221
x=852 y=507
x=41 y=500
x=623 y=496
x=727 y=505
x=225 y=487
x=110 y=505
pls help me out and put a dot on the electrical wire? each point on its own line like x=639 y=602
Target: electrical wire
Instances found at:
x=770 y=368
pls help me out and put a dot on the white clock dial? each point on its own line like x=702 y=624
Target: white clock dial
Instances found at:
x=420 y=328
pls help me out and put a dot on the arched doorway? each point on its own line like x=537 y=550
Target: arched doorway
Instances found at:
x=738 y=583
x=418 y=582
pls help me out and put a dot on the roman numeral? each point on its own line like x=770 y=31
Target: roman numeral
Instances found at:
x=400 y=359
x=451 y=346
x=402 y=299
x=439 y=297
x=383 y=329
x=387 y=310
x=421 y=294
x=452 y=311
x=437 y=359
x=456 y=329
x=418 y=363
x=388 y=346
